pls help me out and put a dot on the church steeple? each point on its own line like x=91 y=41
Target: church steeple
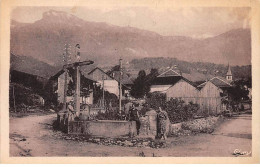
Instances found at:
x=229 y=74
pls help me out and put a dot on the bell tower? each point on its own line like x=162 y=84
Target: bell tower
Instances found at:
x=229 y=74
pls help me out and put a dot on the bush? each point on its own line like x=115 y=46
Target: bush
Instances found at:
x=108 y=116
x=24 y=97
x=156 y=100
x=110 y=98
x=177 y=110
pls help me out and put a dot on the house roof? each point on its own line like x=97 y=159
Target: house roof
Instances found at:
x=168 y=73
x=217 y=81
x=170 y=80
x=184 y=79
x=125 y=78
x=202 y=84
x=159 y=88
x=88 y=76
x=171 y=76
x=97 y=68
x=197 y=77
x=84 y=74
x=115 y=73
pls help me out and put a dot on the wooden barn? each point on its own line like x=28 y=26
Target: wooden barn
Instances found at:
x=164 y=81
x=211 y=94
x=184 y=90
x=174 y=85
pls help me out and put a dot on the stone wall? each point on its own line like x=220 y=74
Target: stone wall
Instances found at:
x=202 y=125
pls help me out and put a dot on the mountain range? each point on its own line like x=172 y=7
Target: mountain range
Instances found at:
x=32 y=66
x=103 y=43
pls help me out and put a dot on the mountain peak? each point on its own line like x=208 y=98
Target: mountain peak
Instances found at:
x=54 y=13
x=60 y=16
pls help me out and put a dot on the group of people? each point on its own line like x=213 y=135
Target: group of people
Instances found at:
x=133 y=114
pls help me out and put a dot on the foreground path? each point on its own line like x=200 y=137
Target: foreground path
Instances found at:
x=33 y=136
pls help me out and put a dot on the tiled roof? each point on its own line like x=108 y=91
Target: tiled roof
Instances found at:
x=85 y=74
x=168 y=73
x=217 y=81
x=220 y=82
x=125 y=78
x=169 y=80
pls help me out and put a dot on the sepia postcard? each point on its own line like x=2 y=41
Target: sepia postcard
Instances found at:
x=124 y=82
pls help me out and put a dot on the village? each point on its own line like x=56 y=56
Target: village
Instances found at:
x=88 y=104
x=130 y=82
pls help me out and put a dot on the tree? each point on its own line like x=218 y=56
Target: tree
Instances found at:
x=153 y=73
x=109 y=97
x=239 y=91
x=140 y=86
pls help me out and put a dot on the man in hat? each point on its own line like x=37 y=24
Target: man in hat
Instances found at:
x=134 y=116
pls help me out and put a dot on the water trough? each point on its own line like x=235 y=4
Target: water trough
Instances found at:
x=103 y=128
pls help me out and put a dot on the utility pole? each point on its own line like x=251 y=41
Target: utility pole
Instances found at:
x=103 y=83
x=76 y=66
x=120 y=86
x=77 y=90
x=65 y=78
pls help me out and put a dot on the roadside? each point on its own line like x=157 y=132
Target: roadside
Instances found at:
x=34 y=136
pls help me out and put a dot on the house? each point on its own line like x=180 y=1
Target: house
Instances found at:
x=122 y=77
x=174 y=85
x=110 y=84
x=214 y=91
x=164 y=81
x=212 y=94
x=86 y=83
x=183 y=89
x=111 y=81
x=27 y=79
x=208 y=95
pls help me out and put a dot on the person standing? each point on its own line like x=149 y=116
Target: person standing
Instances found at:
x=127 y=109
x=134 y=116
x=71 y=112
x=162 y=123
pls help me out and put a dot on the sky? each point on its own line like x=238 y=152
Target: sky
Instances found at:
x=195 y=22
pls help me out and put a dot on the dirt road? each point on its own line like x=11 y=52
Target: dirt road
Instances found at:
x=33 y=136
